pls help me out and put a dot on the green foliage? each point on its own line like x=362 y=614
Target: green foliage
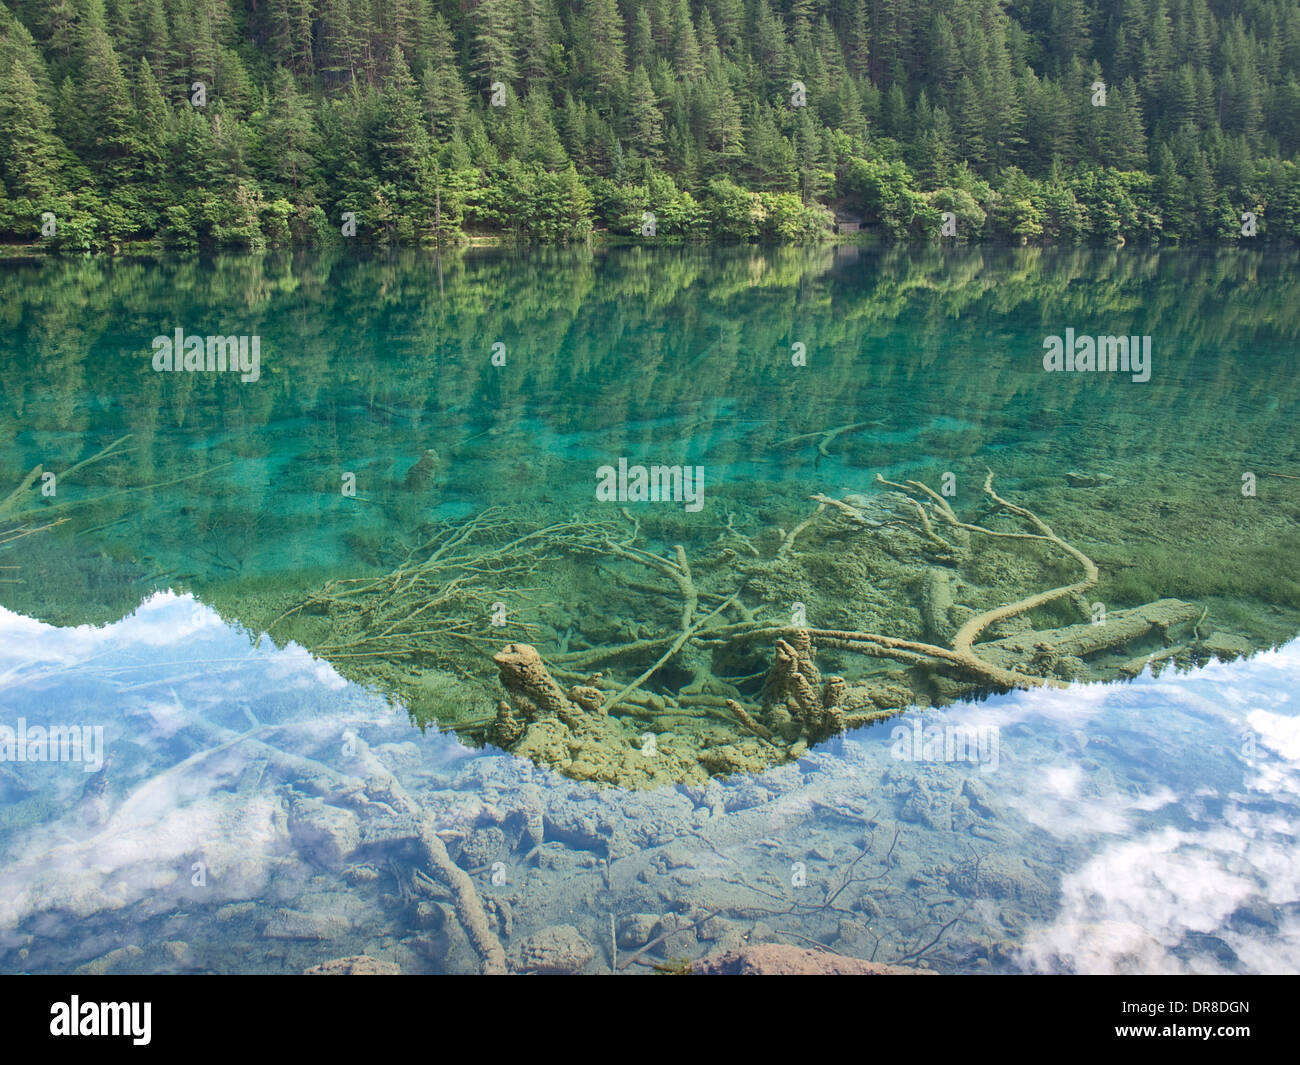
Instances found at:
x=732 y=213
x=885 y=194
x=908 y=109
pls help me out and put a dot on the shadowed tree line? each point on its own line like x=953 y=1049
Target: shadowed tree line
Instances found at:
x=270 y=122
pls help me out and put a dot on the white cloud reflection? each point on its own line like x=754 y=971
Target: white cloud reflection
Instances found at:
x=1175 y=798
x=185 y=807
x=1200 y=895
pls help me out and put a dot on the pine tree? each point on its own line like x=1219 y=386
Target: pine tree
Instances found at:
x=770 y=157
x=641 y=44
x=151 y=38
x=493 y=23
x=290 y=129
x=686 y=47
x=1004 y=133
x=644 y=122
x=1124 y=146
x=722 y=121
x=339 y=44
x=971 y=122
x=944 y=59
x=445 y=99
x=858 y=41
x=30 y=151
x=538 y=36
x=106 y=116
x=400 y=140
x=606 y=49
x=728 y=23
x=153 y=124
x=290 y=24
x=1171 y=193
x=1069 y=32
x=543 y=145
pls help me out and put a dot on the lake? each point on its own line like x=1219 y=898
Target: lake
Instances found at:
x=591 y=610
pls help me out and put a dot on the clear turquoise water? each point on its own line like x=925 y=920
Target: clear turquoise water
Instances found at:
x=1134 y=827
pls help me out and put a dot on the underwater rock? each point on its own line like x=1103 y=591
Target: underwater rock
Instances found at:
x=324 y=833
x=680 y=935
x=637 y=930
x=676 y=856
x=481 y=847
x=293 y=924
x=979 y=796
x=423 y=473
x=575 y=735
x=234 y=910
x=933 y=798
x=357 y=965
x=432 y=946
x=533 y=693
x=1000 y=875
x=652 y=819
x=747 y=794
x=363 y=873
x=580 y=823
x=712 y=929
x=729 y=758
x=107 y=963
x=823 y=850
x=1226 y=646
x=428 y=914
x=177 y=953
x=928 y=807
x=778 y=959
x=557 y=949
x=886 y=695
x=379 y=833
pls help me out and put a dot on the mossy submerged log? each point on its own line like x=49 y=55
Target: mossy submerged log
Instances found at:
x=691 y=676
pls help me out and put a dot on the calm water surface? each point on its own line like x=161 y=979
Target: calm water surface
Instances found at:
x=225 y=595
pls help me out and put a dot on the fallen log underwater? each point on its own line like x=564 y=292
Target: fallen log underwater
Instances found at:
x=797 y=706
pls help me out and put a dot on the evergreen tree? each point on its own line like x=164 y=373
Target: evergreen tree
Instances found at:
x=443 y=92
x=493 y=24
x=644 y=122
x=606 y=49
x=400 y=139
x=105 y=125
x=30 y=152
x=290 y=128
x=538 y=36
x=722 y=121
x=311 y=104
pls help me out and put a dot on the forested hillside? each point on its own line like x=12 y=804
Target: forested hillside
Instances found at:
x=250 y=123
